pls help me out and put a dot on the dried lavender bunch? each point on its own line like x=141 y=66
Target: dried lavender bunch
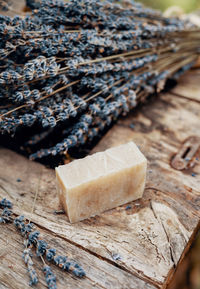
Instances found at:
x=70 y=69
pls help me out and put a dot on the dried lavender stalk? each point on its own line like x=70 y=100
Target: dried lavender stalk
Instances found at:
x=65 y=263
x=27 y=256
x=50 y=277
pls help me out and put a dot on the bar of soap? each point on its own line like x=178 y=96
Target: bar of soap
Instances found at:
x=102 y=181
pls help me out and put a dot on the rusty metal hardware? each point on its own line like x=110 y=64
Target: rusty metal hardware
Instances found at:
x=188 y=154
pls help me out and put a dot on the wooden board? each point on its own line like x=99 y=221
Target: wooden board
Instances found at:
x=150 y=237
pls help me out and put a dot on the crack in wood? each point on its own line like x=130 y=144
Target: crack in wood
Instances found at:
x=160 y=221
x=154 y=245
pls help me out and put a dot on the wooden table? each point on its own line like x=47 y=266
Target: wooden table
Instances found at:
x=139 y=246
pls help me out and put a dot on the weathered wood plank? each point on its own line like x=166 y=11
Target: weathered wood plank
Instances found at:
x=155 y=231
x=141 y=235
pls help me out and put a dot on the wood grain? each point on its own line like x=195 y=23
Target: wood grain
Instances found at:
x=150 y=238
x=189 y=85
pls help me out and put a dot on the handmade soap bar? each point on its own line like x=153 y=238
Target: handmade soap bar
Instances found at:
x=102 y=181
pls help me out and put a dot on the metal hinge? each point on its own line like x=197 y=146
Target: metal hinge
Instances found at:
x=188 y=155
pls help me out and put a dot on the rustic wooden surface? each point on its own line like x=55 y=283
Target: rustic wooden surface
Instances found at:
x=150 y=238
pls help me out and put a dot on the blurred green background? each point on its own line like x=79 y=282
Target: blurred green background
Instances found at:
x=186 y=5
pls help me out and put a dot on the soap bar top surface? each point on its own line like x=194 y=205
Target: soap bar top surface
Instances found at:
x=100 y=164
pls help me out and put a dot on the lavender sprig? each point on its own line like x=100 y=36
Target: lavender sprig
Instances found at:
x=31 y=240
x=50 y=277
x=68 y=265
x=27 y=256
